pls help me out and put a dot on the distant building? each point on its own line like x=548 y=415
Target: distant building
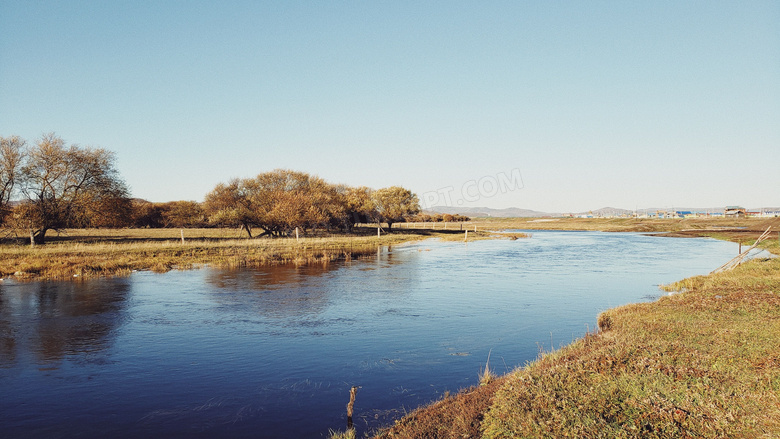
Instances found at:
x=735 y=211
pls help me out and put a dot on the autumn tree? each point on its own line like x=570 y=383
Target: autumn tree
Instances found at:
x=11 y=158
x=62 y=185
x=297 y=200
x=282 y=200
x=146 y=214
x=109 y=211
x=395 y=204
x=359 y=205
x=233 y=204
x=289 y=197
x=182 y=214
x=278 y=202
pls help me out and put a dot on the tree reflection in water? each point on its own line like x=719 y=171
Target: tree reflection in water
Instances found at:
x=289 y=291
x=54 y=320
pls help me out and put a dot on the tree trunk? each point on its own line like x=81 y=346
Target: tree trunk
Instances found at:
x=38 y=237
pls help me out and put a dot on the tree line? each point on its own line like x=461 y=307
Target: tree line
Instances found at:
x=49 y=185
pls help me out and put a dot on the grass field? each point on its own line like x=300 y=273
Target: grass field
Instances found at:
x=687 y=225
x=87 y=253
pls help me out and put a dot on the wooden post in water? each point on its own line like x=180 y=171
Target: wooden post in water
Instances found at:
x=467 y=236
x=351 y=406
x=740 y=248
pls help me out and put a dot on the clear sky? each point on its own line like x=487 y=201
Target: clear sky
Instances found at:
x=620 y=103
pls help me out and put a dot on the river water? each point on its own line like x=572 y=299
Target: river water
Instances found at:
x=273 y=352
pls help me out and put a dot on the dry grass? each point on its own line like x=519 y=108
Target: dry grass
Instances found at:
x=700 y=364
x=453 y=417
x=486 y=375
x=92 y=253
x=678 y=226
x=348 y=434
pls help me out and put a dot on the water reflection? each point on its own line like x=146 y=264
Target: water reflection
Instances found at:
x=52 y=320
x=278 y=292
x=7 y=339
x=288 y=291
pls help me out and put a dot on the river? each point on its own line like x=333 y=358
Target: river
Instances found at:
x=273 y=352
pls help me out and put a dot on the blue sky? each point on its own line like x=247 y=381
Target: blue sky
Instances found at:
x=624 y=104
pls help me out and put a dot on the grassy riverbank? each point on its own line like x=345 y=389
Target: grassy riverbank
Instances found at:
x=686 y=226
x=106 y=252
x=703 y=363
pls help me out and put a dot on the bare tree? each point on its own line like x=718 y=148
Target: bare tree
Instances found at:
x=62 y=184
x=11 y=158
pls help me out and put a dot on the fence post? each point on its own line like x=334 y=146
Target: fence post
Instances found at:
x=351 y=406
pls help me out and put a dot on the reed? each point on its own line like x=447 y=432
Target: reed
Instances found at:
x=486 y=375
x=349 y=434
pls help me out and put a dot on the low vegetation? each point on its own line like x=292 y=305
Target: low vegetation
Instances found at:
x=87 y=253
x=701 y=363
x=100 y=253
x=682 y=226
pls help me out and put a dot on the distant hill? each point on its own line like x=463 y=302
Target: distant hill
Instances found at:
x=607 y=211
